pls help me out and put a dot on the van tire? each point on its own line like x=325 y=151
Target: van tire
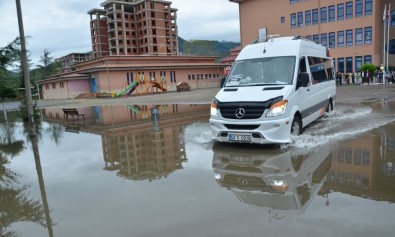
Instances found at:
x=296 y=126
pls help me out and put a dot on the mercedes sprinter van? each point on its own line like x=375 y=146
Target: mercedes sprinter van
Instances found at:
x=274 y=90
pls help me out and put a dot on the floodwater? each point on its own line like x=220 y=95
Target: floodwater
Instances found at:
x=154 y=171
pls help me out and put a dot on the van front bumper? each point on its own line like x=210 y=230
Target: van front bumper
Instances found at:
x=261 y=132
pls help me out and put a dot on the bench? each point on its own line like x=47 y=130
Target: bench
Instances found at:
x=73 y=113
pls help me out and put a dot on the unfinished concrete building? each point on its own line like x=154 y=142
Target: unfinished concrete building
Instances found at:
x=134 y=27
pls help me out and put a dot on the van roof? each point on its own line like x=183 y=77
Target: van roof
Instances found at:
x=282 y=46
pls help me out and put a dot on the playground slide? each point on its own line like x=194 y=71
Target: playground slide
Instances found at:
x=132 y=89
x=127 y=89
x=134 y=108
x=158 y=85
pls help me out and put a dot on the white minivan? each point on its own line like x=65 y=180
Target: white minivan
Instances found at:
x=274 y=89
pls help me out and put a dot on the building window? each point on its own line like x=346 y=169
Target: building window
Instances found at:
x=300 y=19
x=340 y=11
x=316 y=38
x=349 y=10
x=315 y=16
x=307 y=16
x=367 y=59
x=391 y=46
x=348 y=64
x=292 y=1
x=61 y=84
x=293 y=20
x=340 y=39
x=349 y=38
x=46 y=87
x=331 y=13
x=332 y=40
x=53 y=85
x=358 y=63
x=368 y=7
x=392 y=18
x=308 y=37
x=324 y=14
x=358 y=8
x=368 y=35
x=358 y=36
x=324 y=38
x=340 y=65
x=282 y=20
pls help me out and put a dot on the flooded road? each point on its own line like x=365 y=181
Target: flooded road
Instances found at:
x=155 y=171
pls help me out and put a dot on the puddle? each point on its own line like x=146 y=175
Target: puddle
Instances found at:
x=154 y=170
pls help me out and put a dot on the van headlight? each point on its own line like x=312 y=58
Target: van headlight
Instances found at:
x=278 y=108
x=214 y=107
x=278 y=184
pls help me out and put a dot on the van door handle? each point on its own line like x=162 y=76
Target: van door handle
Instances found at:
x=308 y=89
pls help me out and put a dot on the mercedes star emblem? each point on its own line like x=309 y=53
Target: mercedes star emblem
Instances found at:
x=240 y=112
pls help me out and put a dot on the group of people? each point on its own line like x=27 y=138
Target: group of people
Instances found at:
x=364 y=78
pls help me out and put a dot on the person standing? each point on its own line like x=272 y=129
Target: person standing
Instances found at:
x=353 y=78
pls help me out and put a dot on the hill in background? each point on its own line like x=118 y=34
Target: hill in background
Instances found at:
x=205 y=47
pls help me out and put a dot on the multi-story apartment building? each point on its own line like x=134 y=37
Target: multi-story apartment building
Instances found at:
x=134 y=27
x=72 y=59
x=352 y=29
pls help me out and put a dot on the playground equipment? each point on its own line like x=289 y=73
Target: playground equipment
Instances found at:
x=144 y=87
x=129 y=89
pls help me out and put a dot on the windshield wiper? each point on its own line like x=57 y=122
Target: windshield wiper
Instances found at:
x=264 y=84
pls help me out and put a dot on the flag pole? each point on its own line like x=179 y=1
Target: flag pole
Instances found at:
x=385 y=24
x=388 y=31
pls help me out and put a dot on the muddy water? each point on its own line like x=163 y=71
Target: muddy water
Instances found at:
x=154 y=170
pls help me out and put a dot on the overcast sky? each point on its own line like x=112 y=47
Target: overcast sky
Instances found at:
x=62 y=26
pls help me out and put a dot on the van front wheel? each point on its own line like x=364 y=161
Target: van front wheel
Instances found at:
x=296 y=127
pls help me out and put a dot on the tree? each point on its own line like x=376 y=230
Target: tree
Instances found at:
x=368 y=68
x=10 y=54
x=46 y=60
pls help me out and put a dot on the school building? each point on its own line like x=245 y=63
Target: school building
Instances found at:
x=352 y=30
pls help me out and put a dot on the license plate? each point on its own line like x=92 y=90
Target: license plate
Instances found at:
x=239 y=138
x=238 y=159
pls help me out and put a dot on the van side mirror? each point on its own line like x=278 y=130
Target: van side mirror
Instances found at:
x=303 y=80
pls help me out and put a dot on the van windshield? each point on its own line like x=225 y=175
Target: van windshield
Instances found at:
x=262 y=71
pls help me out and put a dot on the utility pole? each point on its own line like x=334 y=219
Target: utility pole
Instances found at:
x=28 y=93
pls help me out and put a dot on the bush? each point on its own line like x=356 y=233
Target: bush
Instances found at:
x=23 y=111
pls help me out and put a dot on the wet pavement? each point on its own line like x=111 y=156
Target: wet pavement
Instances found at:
x=153 y=170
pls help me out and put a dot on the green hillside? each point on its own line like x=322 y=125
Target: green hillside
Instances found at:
x=205 y=47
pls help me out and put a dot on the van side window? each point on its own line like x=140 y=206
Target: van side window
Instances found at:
x=302 y=65
x=321 y=69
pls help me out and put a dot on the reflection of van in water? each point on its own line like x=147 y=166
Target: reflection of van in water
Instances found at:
x=279 y=180
x=274 y=89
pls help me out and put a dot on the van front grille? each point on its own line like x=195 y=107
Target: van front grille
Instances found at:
x=241 y=127
x=250 y=110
